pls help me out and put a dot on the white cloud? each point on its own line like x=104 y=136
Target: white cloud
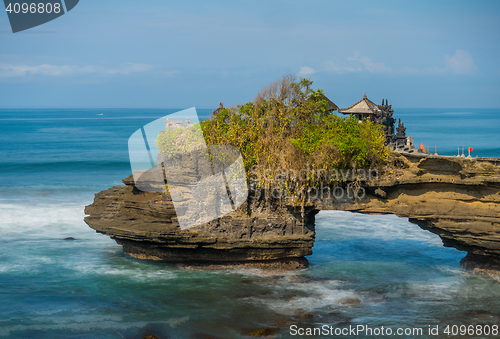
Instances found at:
x=126 y=69
x=306 y=71
x=20 y=70
x=358 y=64
x=374 y=67
x=10 y=70
x=333 y=67
x=460 y=63
x=368 y=65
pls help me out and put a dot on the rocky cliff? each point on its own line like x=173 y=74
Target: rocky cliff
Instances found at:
x=145 y=224
x=455 y=198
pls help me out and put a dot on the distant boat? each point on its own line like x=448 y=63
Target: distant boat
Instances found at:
x=99 y=113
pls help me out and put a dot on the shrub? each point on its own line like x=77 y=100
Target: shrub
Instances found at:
x=287 y=127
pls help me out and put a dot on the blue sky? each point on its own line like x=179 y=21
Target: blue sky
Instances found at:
x=179 y=54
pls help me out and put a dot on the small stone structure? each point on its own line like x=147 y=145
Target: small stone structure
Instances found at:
x=218 y=110
x=385 y=119
x=366 y=109
x=409 y=143
x=401 y=135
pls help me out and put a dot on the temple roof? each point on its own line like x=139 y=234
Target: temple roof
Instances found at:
x=330 y=106
x=363 y=106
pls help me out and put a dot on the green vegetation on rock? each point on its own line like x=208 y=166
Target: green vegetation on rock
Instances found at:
x=285 y=130
x=174 y=142
x=287 y=127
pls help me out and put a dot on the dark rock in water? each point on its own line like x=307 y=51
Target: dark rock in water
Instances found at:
x=307 y=316
x=299 y=311
x=69 y=238
x=277 y=265
x=288 y=297
x=149 y=336
x=479 y=316
x=283 y=323
x=349 y=301
x=263 y=332
x=335 y=313
x=486 y=266
x=455 y=198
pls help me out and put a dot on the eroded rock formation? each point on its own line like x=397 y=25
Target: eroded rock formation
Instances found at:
x=455 y=198
x=144 y=223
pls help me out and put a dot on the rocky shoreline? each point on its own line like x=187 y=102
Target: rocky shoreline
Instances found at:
x=455 y=198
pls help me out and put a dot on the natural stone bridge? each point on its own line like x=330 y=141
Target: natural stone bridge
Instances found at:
x=455 y=198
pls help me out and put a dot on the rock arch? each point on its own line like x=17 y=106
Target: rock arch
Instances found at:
x=455 y=198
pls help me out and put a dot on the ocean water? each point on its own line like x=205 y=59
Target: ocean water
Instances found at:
x=53 y=162
x=449 y=129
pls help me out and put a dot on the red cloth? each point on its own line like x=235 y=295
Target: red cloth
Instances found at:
x=422 y=147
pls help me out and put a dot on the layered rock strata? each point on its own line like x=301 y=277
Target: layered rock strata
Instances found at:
x=145 y=224
x=455 y=198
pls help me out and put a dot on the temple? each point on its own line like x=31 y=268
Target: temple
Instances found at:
x=365 y=109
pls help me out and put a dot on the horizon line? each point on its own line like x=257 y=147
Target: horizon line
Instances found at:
x=175 y=108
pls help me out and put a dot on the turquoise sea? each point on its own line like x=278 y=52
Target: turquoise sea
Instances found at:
x=53 y=162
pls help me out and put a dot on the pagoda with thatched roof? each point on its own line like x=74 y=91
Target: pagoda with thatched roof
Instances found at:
x=363 y=109
x=366 y=109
